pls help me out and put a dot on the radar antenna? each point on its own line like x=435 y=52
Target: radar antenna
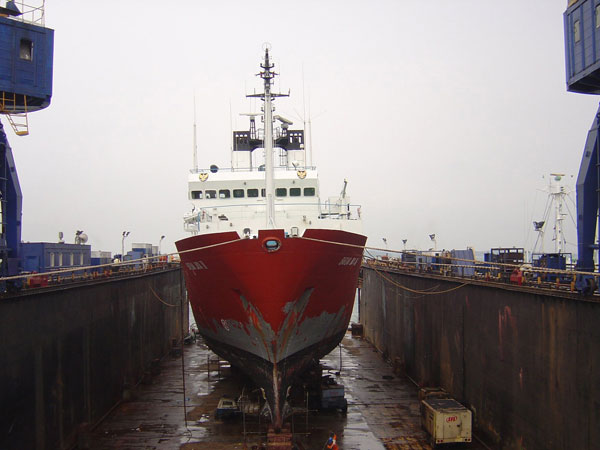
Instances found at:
x=252 y=123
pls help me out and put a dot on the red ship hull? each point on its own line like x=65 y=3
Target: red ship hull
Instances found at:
x=272 y=312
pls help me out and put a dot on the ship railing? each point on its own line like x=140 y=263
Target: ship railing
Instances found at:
x=253 y=169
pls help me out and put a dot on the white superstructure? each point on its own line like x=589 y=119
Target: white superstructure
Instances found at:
x=231 y=200
x=276 y=191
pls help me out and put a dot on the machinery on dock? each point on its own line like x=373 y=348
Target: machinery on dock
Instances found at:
x=446 y=421
x=553 y=261
x=507 y=258
x=332 y=395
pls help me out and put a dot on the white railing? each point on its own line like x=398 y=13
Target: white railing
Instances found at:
x=254 y=169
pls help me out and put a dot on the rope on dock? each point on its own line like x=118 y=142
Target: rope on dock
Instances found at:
x=414 y=291
x=332 y=242
x=160 y=299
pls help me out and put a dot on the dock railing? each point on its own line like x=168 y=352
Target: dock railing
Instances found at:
x=443 y=264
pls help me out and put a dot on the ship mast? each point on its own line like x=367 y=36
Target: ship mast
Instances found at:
x=267 y=75
x=556 y=198
x=558 y=195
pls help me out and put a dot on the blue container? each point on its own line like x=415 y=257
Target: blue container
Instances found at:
x=26 y=55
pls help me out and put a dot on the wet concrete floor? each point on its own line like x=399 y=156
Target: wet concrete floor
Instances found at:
x=383 y=410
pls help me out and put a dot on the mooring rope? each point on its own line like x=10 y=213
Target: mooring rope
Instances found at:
x=414 y=291
x=332 y=242
x=160 y=299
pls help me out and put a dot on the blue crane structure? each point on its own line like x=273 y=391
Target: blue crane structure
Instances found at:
x=582 y=54
x=26 y=55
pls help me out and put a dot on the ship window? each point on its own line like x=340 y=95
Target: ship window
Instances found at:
x=263 y=192
x=238 y=193
x=309 y=192
x=224 y=193
x=576 y=31
x=209 y=193
x=51 y=259
x=60 y=259
x=252 y=192
x=81 y=259
x=72 y=258
x=597 y=16
x=281 y=192
x=295 y=192
x=196 y=195
x=26 y=50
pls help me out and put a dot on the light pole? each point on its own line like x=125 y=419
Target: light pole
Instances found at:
x=160 y=242
x=125 y=234
x=404 y=241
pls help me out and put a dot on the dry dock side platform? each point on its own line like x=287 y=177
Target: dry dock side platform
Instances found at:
x=383 y=409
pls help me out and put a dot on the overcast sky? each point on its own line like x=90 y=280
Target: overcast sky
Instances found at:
x=443 y=115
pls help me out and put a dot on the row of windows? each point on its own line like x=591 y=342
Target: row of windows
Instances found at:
x=65 y=259
x=252 y=193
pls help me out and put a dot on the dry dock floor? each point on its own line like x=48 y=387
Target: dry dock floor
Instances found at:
x=383 y=410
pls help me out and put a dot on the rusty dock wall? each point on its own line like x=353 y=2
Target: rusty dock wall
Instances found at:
x=525 y=360
x=68 y=353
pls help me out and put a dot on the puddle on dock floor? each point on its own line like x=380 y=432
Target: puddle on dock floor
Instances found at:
x=383 y=410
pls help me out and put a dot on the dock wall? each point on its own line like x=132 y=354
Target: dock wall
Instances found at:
x=527 y=363
x=67 y=354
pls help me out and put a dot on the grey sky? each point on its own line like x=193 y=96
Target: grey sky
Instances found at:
x=443 y=115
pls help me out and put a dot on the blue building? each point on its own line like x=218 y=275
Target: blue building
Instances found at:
x=48 y=256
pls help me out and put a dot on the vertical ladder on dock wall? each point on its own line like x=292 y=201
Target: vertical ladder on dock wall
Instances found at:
x=17 y=117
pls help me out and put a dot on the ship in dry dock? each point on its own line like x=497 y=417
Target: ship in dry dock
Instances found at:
x=271 y=271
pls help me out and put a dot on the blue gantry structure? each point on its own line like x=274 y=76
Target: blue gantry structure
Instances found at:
x=26 y=58
x=582 y=53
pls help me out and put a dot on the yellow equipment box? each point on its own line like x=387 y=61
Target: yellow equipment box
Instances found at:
x=446 y=420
